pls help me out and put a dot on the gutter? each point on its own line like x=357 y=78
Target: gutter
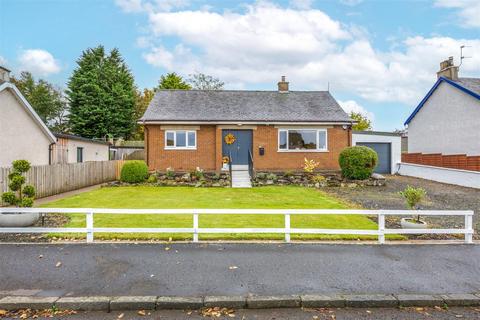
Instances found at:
x=50 y=153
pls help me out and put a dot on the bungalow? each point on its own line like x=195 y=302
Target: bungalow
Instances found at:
x=267 y=130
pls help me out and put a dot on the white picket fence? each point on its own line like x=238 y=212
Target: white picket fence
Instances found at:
x=287 y=230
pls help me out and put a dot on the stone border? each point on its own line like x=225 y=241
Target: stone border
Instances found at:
x=102 y=303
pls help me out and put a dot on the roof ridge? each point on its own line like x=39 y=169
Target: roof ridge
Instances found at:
x=233 y=90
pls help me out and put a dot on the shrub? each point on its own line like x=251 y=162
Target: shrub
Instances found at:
x=358 y=162
x=310 y=165
x=152 y=178
x=21 y=166
x=19 y=195
x=318 y=179
x=170 y=172
x=134 y=171
x=413 y=196
x=288 y=173
x=198 y=173
x=272 y=176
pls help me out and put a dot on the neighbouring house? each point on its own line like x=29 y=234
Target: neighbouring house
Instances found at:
x=23 y=135
x=443 y=133
x=445 y=123
x=71 y=148
x=264 y=130
x=127 y=150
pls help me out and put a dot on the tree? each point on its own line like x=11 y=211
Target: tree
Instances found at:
x=101 y=92
x=363 y=124
x=47 y=100
x=202 y=81
x=142 y=100
x=173 y=81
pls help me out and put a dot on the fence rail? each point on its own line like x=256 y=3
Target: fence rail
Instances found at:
x=54 y=179
x=287 y=230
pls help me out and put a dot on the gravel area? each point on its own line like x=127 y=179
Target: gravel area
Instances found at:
x=47 y=221
x=439 y=196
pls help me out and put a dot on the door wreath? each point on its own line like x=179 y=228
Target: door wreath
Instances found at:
x=230 y=138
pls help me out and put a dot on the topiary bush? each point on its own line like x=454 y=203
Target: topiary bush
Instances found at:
x=358 y=162
x=134 y=171
x=20 y=195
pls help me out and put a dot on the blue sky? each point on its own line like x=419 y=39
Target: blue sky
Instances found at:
x=378 y=57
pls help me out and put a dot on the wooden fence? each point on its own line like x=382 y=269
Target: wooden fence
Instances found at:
x=454 y=161
x=58 y=178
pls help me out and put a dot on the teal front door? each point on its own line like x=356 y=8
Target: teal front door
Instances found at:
x=239 y=148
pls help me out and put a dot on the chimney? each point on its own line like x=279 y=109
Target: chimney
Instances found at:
x=4 y=74
x=283 y=86
x=448 y=70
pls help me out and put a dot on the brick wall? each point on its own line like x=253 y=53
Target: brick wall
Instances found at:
x=181 y=160
x=208 y=155
x=454 y=161
x=267 y=136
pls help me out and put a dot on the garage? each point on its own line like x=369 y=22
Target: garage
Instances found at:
x=386 y=144
x=383 y=150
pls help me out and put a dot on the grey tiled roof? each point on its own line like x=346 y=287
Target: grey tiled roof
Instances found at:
x=472 y=84
x=247 y=106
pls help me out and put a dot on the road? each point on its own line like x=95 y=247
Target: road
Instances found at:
x=236 y=269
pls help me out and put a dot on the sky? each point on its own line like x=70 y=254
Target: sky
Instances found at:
x=376 y=57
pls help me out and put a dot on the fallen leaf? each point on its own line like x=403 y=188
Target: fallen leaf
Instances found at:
x=120 y=316
x=167 y=248
x=458 y=316
x=58 y=264
x=3 y=312
x=142 y=313
x=169 y=239
x=40 y=256
x=368 y=311
x=233 y=267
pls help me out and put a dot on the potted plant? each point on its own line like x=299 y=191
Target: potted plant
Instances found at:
x=20 y=195
x=413 y=196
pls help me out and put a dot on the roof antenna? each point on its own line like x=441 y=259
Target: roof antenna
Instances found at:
x=461 y=53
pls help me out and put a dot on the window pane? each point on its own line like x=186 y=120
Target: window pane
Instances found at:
x=170 y=139
x=302 y=139
x=322 y=140
x=181 y=139
x=191 y=138
x=283 y=140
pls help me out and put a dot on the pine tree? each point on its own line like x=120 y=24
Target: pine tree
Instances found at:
x=173 y=81
x=101 y=92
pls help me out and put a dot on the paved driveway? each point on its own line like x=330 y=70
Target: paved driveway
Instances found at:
x=237 y=269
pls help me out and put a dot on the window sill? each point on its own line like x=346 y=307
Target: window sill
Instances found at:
x=180 y=148
x=300 y=151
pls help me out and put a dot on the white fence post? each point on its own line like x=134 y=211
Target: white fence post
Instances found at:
x=381 y=228
x=89 y=227
x=287 y=227
x=469 y=229
x=195 y=227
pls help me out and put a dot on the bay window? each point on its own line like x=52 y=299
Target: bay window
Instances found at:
x=180 y=139
x=302 y=140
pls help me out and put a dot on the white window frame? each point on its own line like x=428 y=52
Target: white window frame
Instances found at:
x=317 y=130
x=174 y=147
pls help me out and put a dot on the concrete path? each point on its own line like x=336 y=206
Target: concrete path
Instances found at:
x=236 y=269
x=66 y=194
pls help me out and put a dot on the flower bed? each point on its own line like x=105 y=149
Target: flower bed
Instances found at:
x=317 y=179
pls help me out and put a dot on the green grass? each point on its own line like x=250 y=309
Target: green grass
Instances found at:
x=187 y=197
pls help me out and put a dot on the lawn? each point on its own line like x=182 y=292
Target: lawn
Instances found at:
x=187 y=197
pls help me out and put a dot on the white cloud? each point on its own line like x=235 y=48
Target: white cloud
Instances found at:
x=301 y=4
x=468 y=11
x=263 y=42
x=39 y=62
x=352 y=106
x=150 y=5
